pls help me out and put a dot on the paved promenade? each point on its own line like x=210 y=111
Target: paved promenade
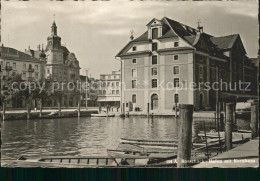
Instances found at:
x=246 y=155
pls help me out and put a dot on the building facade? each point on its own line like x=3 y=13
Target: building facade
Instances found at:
x=62 y=66
x=31 y=68
x=173 y=63
x=109 y=89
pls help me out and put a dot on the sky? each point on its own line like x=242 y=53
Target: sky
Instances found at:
x=97 y=31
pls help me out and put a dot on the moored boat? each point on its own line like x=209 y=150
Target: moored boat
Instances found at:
x=97 y=161
x=102 y=115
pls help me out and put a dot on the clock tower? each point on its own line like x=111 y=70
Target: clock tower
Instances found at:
x=54 y=41
x=54 y=55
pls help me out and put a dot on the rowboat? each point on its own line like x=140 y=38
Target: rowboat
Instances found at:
x=158 y=154
x=102 y=115
x=131 y=140
x=97 y=162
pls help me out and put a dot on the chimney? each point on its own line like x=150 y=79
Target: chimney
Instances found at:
x=39 y=47
x=42 y=47
x=29 y=47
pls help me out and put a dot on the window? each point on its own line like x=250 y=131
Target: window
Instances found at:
x=154 y=33
x=7 y=64
x=24 y=75
x=14 y=66
x=36 y=76
x=117 y=84
x=113 y=91
x=175 y=57
x=154 y=83
x=112 y=84
x=134 y=60
x=133 y=84
x=30 y=74
x=100 y=92
x=30 y=66
x=134 y=48
x=176 y=82
x=201 y=71
x=176 y=70
x=154 y=46
x=36 y=67
x=104 y=91
x=176 y=44
x=24 y=66
x=117 y=91
x=154 y=71
x=176 y=98
x=133 y=98
x=134 y=73
x=154 y=59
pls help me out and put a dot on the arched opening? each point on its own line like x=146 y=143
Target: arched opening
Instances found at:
x=154 y=102
x=201 y=102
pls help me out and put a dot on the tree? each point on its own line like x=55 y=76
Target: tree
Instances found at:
x=11 y=90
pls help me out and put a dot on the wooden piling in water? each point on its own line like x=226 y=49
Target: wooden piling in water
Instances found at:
x=254 y=120
x=185 y=135
x=228 y=126
x=148 y=109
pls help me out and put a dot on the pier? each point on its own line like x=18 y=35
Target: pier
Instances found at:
x=245 y=155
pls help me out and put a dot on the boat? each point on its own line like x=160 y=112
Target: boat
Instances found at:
x=131 y=140
x=148 y=153
x=54 y=113
x=97 y=161
x=102 y=115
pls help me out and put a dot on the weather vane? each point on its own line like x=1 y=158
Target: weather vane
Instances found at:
x=198 y=23
x=132 y=36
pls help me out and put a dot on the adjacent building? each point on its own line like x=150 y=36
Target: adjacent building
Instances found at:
x=31 y=68
x=109 y=89
x=172 y=62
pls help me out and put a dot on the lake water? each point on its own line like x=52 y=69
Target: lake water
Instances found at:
x=84 y=136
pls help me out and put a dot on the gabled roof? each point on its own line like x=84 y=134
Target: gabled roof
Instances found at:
x=7 y=52
x=201 y=41
x=224 y=42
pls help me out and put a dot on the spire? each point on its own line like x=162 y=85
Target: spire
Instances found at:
x=54 y=27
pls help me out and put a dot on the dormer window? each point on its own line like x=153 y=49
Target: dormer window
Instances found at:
x=176 y=44
x=154 y=33
x=134 y=48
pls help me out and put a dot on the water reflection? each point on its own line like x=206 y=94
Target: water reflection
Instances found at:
x=84 y=136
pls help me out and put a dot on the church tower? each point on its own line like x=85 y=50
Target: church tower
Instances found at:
x=54 y=55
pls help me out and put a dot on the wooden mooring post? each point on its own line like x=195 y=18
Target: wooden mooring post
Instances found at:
x=228 y=125
x=148 y=109
x=185 y=135
x=254 y=120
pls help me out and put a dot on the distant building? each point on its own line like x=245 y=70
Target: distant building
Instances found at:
x=171 y=55
x=31 y=68
x=109 y=90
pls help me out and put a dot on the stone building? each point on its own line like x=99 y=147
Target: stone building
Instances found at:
x=172 y=62
x=31 y=68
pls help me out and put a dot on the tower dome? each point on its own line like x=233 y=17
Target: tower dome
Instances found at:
x=42 y=54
